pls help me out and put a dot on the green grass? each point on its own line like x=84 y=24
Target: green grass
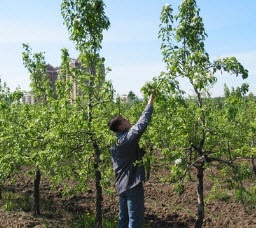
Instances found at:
x=14 y=202
x=87 y=220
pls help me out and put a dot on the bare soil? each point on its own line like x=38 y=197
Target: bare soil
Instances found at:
x=164 y=207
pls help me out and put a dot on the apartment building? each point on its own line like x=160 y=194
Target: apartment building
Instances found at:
x=53 y=73
x=28 y=98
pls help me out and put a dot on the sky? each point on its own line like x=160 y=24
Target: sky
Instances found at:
x=131 y=46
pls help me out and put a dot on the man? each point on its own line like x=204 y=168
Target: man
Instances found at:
x=129 y=174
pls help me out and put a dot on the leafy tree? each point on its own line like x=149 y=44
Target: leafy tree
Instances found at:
x=65 y=136
x=86 y=21
x=10 y=127
x=191 y=123
x=38 y=117
x=132 y=96
x=37 y=67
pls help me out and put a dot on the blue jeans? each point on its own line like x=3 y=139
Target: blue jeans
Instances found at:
x=131 y=208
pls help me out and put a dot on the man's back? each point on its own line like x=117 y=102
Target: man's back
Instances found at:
x=126 y=152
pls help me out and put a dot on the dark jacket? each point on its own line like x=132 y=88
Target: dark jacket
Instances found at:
x=126 y=152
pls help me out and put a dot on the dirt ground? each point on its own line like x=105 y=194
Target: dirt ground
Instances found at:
x=164 y=208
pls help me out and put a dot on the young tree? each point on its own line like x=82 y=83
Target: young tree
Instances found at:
x=86 y=21
x=10 y=128
x=38 y=117
x=190 y=121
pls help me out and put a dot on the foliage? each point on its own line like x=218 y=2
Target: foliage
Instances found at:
x=85 y=21
x=88 y=220
x=193 y=128
x=66 y=136
x=11 y=125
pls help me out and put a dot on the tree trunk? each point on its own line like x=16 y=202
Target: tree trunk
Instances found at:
x=148 y=164
x=253 y=165
x=200 y=197
x=36 y=192
x=99 y=197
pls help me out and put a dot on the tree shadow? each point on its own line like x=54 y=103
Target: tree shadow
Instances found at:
x=152 y=221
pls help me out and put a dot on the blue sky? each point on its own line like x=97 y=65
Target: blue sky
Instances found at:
x=131 y=47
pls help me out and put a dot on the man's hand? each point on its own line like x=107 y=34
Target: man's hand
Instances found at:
x=151 y=99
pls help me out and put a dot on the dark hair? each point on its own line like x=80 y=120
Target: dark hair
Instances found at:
x=115 y=122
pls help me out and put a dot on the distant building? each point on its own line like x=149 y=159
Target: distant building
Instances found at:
x=124 y=98
x=74 y=63
x=128 y=98
x=28 y=98
x=53 y=74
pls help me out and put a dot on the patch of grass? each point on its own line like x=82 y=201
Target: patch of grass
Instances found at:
x=9 y=201
x=217 y=193
x=221 y=196
x=88 y=220
x=9 y=206
x=178 y=188
x=247 y=197
x=14 y=202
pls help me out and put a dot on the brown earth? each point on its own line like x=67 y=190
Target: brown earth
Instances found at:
x=164 y=208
